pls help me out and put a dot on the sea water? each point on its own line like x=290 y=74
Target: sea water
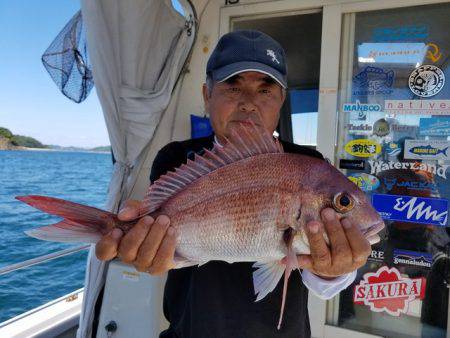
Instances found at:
x=81 y=177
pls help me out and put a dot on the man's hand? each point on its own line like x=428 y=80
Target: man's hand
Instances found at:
x=348 y=249
x=149 y=245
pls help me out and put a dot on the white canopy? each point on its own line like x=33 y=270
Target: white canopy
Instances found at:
x=137 y=49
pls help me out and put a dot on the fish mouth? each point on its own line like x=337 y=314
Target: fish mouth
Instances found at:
x=374 y=229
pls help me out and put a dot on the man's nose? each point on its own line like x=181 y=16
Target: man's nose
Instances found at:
x=247 y=103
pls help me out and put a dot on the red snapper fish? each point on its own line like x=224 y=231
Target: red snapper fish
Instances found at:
x=245 y=201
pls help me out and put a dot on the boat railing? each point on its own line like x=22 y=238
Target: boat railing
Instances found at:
x=41 y=259
x=58 y=317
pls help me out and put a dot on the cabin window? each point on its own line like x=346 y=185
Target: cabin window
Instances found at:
x=393 y=136
x=300 y=35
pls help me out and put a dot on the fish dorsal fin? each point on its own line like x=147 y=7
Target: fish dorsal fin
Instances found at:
x=246 y=140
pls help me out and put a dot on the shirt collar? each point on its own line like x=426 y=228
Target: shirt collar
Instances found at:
x=216 y=141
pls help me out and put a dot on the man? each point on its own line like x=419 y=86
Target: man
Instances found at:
x=246 y=79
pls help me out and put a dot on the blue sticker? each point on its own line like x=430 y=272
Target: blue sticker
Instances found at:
x=411 y=209
x=391 y=183
x=392 y=148
x=400 y=34
x=407 y=257
x=373 y=81
x=434 y=126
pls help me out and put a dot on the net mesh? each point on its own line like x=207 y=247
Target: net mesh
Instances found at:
x=67 y=61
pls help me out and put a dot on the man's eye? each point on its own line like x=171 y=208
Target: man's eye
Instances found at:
x=234 y=90
x=265 y=91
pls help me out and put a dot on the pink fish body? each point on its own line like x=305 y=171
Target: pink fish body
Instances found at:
x=244 y=202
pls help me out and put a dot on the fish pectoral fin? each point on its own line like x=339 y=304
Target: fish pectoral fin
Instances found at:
x=266 y=277
x=181 y=262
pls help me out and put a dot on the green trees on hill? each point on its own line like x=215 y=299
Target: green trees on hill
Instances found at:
x=26 y=141
x=6 y=133
x=8 y=140
x=19 y=140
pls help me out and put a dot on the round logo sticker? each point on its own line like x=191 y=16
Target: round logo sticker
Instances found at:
x=426 y=80
x=381 y=127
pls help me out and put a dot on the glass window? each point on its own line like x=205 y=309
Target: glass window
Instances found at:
x=300 y=36
x=304 y=110
x=394 y=142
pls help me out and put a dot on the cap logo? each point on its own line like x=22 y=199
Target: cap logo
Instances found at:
x=271 y=53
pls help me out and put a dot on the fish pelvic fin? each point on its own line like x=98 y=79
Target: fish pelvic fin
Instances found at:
x=81 y=223
x=266 y=277
x=246 y=140
x=291 y=264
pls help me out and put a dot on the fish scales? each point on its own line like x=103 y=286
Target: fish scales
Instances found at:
x=242 y=175
x=235 y=227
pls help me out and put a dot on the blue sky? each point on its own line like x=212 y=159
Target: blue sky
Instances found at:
x=31 y=104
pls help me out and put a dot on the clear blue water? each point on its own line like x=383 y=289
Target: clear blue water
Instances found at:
x=76 y=176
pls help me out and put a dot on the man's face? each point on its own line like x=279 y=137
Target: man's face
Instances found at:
x=247 y=96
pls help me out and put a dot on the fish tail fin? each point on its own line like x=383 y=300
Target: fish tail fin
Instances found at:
x=444 y=151
x=66 y=231
x=81 y=222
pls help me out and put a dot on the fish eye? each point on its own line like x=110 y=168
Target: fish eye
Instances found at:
x=343 y=202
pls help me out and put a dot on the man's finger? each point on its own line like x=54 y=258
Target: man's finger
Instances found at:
x=131 y=242
x=305 y=262
x=359 y=244
x=152 y=242
x=106 y=248
x=339 y=245
x=163 y=260
x=320 y=253
x=130 y=210
x=374 y=239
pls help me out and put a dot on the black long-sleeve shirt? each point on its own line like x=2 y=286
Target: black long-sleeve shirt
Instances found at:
x=217 y=299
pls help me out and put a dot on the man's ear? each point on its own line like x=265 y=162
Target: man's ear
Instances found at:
x=205 y=92
x=283 y=94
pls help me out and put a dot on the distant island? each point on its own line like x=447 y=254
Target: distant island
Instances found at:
x=10 y=141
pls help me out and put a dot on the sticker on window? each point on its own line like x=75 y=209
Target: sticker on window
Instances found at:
x=426 y=80
x=358 y=110
x=386 y=290
x=412 y=209
x=434 y=126
x=373 y=81
x=414 y=258
x=417 y=107
x=365 y=181
x=427 y=150
x=352 y=164
x=436 y=169
x=362 y=148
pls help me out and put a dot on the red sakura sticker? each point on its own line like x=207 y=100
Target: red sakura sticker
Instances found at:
x=386 y=290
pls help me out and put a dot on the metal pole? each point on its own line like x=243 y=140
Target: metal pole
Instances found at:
x=41 y=259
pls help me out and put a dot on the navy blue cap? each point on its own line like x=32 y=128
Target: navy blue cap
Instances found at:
x=245 y=51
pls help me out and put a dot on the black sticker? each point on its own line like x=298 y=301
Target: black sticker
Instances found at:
x=376 y=256
x=352 y=164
